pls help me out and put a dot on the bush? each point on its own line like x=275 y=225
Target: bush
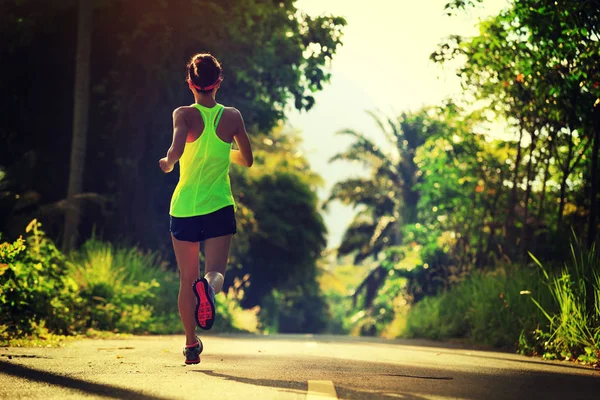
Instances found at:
x=297 y=309
x=125 y=289
x=36 y=287
x=100 y=287
x=491 y=308
x=386 y=312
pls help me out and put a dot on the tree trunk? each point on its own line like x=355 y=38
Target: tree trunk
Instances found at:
x=592 y=227
x=566 y=170
x=513 y=195
x=493 y=226
x=540 y=211
x=80 y=121
x=524 y=239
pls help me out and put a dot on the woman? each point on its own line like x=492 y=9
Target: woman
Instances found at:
x=202 y=206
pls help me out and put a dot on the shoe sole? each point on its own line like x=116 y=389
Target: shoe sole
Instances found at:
x=193 y=361
x=205 y=309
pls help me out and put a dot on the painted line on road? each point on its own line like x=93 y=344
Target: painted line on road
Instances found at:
x=321 y=390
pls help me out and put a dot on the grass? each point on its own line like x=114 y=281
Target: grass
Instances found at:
x=573 y=330
x=489 y=308
x=142 y=288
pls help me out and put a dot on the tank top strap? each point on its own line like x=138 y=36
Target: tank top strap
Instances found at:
x=218 y=116
x=210 y=116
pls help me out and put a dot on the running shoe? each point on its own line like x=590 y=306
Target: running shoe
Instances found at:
x=192 y=352
x=205 y=304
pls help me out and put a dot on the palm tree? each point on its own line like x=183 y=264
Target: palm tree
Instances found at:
x=80 y=119
x=388 y=198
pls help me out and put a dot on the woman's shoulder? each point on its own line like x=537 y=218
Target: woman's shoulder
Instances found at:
x=184 y=110
x=231 y=112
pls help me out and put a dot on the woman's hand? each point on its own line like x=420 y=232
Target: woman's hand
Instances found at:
x=165 y=165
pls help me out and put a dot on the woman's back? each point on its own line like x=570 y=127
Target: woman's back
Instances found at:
x=204 y=184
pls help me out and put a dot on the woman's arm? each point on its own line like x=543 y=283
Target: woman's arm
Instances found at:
x=180 y=132
x=243 y=156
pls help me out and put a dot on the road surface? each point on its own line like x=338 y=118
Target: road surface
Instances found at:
x=285 y=367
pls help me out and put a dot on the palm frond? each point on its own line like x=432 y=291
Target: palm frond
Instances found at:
x=355 y=191
x=365 y=151
x=391 y=137
x=381 y=226
x=356 y=237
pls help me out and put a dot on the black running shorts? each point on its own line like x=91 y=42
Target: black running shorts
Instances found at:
x=199 y=228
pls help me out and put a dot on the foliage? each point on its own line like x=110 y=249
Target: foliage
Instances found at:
x=101 y=287
x=488 y=307
x=388 y=197
x=273 y=55
x=294 y=309
x=120 y=287
x=338 y=282
x=574 y=328
x=36 y=286
x=290 y=237
x=536 y=64
x=484 y=200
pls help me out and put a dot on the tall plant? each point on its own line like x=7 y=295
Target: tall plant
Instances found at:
x=574 y=330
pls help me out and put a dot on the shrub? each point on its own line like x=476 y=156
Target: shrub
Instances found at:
x=491 y=308
x=296 y=309
x=120 y=287
x=36 y=286
x=100 y=287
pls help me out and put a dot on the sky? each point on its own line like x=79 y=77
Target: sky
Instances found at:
x=393 y=39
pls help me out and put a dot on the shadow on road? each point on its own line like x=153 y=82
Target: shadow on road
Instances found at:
x=526 y=360
x=72 y=383
x=425 y=345
x=358 y=380
x=301 y=388
x=288 y=386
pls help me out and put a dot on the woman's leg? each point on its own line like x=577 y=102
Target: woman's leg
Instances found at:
x=216 y=254
x=187 y=255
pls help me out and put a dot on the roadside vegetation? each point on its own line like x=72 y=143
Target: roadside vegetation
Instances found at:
x=109 y=266
x=466 y=233
x=460 y=231
x=98 y=290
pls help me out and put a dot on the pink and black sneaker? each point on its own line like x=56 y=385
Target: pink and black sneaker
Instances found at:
x=192 y=352
x=205 y=304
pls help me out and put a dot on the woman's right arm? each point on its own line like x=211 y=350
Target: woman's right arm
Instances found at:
x=243 y=156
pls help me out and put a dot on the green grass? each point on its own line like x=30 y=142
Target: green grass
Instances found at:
x=573 y=330
x=131 y=290
x=549 y=311
x=489 y=308
x=99 y=290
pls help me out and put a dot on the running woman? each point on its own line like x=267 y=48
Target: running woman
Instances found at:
x=202 y=207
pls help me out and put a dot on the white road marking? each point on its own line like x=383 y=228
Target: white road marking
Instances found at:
x=321 y=390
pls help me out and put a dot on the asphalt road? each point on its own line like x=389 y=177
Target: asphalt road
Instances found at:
x=285 y=367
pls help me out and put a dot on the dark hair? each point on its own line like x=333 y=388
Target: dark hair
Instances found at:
x=204 y=70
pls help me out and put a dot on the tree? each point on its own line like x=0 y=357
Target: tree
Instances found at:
x=562 y=40
x=538 y=84
x=274 y=57
x=387 y=199
x=80 y=121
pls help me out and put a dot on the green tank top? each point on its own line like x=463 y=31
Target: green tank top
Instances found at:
x=204 y=185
